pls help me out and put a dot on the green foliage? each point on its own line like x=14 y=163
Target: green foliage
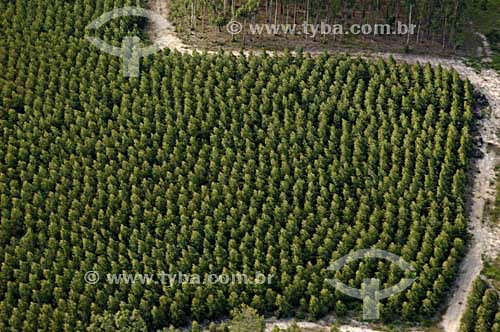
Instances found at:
x=214 y=163
x=496 y=324
x=294 y=327
x=195 y=327
x=482 y=306
x=334 y=328
x=246 y=319
x=491 y=270
x=121 y=321
x=495 y=215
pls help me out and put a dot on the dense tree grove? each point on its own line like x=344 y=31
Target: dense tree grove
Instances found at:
x=482 y=313
x=216 y=164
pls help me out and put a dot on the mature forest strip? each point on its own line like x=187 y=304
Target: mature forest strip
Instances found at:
x=437 y=21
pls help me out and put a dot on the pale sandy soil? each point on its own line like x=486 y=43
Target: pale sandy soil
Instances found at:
x=486 y=238
x=324 y=325
x=165 y=38
x=321 y=325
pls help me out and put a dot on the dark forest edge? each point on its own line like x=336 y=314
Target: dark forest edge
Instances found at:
x=443 y=26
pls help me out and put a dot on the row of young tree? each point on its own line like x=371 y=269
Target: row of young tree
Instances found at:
x=244 y=319
x=217 y=164
x=483 y=312
x=438 y=21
